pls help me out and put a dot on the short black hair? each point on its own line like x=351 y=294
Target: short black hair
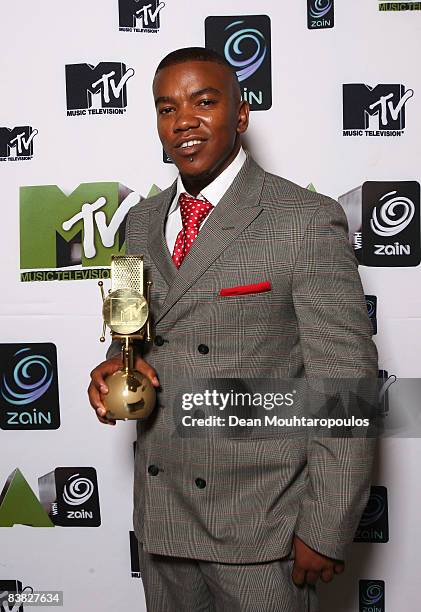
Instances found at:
x=196 y=54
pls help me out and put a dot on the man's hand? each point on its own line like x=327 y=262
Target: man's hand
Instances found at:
x=310 y=565
x=97 y=387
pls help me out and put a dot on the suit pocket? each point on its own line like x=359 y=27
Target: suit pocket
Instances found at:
x=261 y=287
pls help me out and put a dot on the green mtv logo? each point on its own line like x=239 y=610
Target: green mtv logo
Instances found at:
x=84 y=228
x=19 y=505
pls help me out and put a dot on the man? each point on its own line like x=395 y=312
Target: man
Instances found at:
x=253 y=278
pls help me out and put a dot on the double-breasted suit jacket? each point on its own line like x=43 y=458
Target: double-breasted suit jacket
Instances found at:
x=227 y=498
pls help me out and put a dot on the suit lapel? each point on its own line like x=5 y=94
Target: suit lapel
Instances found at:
x=239 y=206
x=157 y=245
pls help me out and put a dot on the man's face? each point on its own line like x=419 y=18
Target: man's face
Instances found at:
x=200 y=116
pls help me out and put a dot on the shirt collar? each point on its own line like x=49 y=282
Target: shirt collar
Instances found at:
x=215 y=190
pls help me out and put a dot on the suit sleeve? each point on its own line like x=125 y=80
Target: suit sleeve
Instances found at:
x=335 y=337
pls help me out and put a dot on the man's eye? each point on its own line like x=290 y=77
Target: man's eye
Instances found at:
x=207 y=102
x=165 y=111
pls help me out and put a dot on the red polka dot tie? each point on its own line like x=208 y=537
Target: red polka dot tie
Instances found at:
x=193 y=212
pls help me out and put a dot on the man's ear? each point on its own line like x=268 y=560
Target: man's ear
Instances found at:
x=243 y=117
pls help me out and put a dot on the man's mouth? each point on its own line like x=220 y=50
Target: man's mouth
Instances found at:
x=189 y=147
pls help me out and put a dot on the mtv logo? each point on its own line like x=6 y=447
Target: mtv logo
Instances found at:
x=385 y=103
x=400 y=5
x=107 y=80
x=144 y=14
x=134 y=555
x=83 y=228
x=19 y=504
x=8 y=587
x=17 y=141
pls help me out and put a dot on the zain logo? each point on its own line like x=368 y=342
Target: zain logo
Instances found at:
x=374 y=510
x=371 y=307
x=245 y=67
x=32 y=377
x=320 y=8
x=389 y=223
x=373 y=594
x=77 y=492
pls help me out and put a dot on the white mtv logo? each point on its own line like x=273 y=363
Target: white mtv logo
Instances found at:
x=9 y=606
x=146 y=16
x=21 y=143
x=107 y=82
x=386 y=109
x=93 y=219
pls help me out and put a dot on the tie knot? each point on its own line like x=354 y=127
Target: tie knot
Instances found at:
x=193 y=211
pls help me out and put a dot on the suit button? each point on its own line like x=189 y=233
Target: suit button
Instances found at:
x=153 y=470
x=159 y=340
x=200 y=483
x=202 y=348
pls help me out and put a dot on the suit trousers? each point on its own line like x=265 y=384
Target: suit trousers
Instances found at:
x=176 y=584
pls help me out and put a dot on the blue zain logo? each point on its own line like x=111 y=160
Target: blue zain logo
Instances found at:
x=27 y=386
x=320 y=8
x=232 y=50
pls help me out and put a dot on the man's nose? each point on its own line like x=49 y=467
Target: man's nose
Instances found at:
x=185 y=119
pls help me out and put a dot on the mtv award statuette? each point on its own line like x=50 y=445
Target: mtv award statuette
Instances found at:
x=126 y=312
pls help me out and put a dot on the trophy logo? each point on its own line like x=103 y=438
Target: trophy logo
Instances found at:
x=126 y=312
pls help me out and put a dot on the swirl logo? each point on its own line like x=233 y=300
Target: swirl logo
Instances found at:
x=375 y=508
x=77 y=492
x=371 y=307
x=373 y=594
x=389 y=223
x=245 y=67
x=320 y=8
x=32 y=377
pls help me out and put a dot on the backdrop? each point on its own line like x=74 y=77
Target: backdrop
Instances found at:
x=335 y=92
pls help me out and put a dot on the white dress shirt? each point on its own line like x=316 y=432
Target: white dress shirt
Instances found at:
x=212 y=192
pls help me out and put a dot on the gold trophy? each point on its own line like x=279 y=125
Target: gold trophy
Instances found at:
x=126 y=312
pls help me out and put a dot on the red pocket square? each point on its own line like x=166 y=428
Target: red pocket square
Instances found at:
x=242 y=289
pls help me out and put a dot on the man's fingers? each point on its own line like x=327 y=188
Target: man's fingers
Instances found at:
x=98 y=388
x=312 y=565
x=298 y=575
x=106 y=368
x=105 y=420
x=98 y=406
x=312 y=577
x=144 y=368
x=327 y=574
x=95 y=398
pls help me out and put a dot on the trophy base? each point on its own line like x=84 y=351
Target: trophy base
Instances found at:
x=130 y=395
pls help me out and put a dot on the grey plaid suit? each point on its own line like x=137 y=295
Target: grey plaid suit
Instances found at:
x=260 y=490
